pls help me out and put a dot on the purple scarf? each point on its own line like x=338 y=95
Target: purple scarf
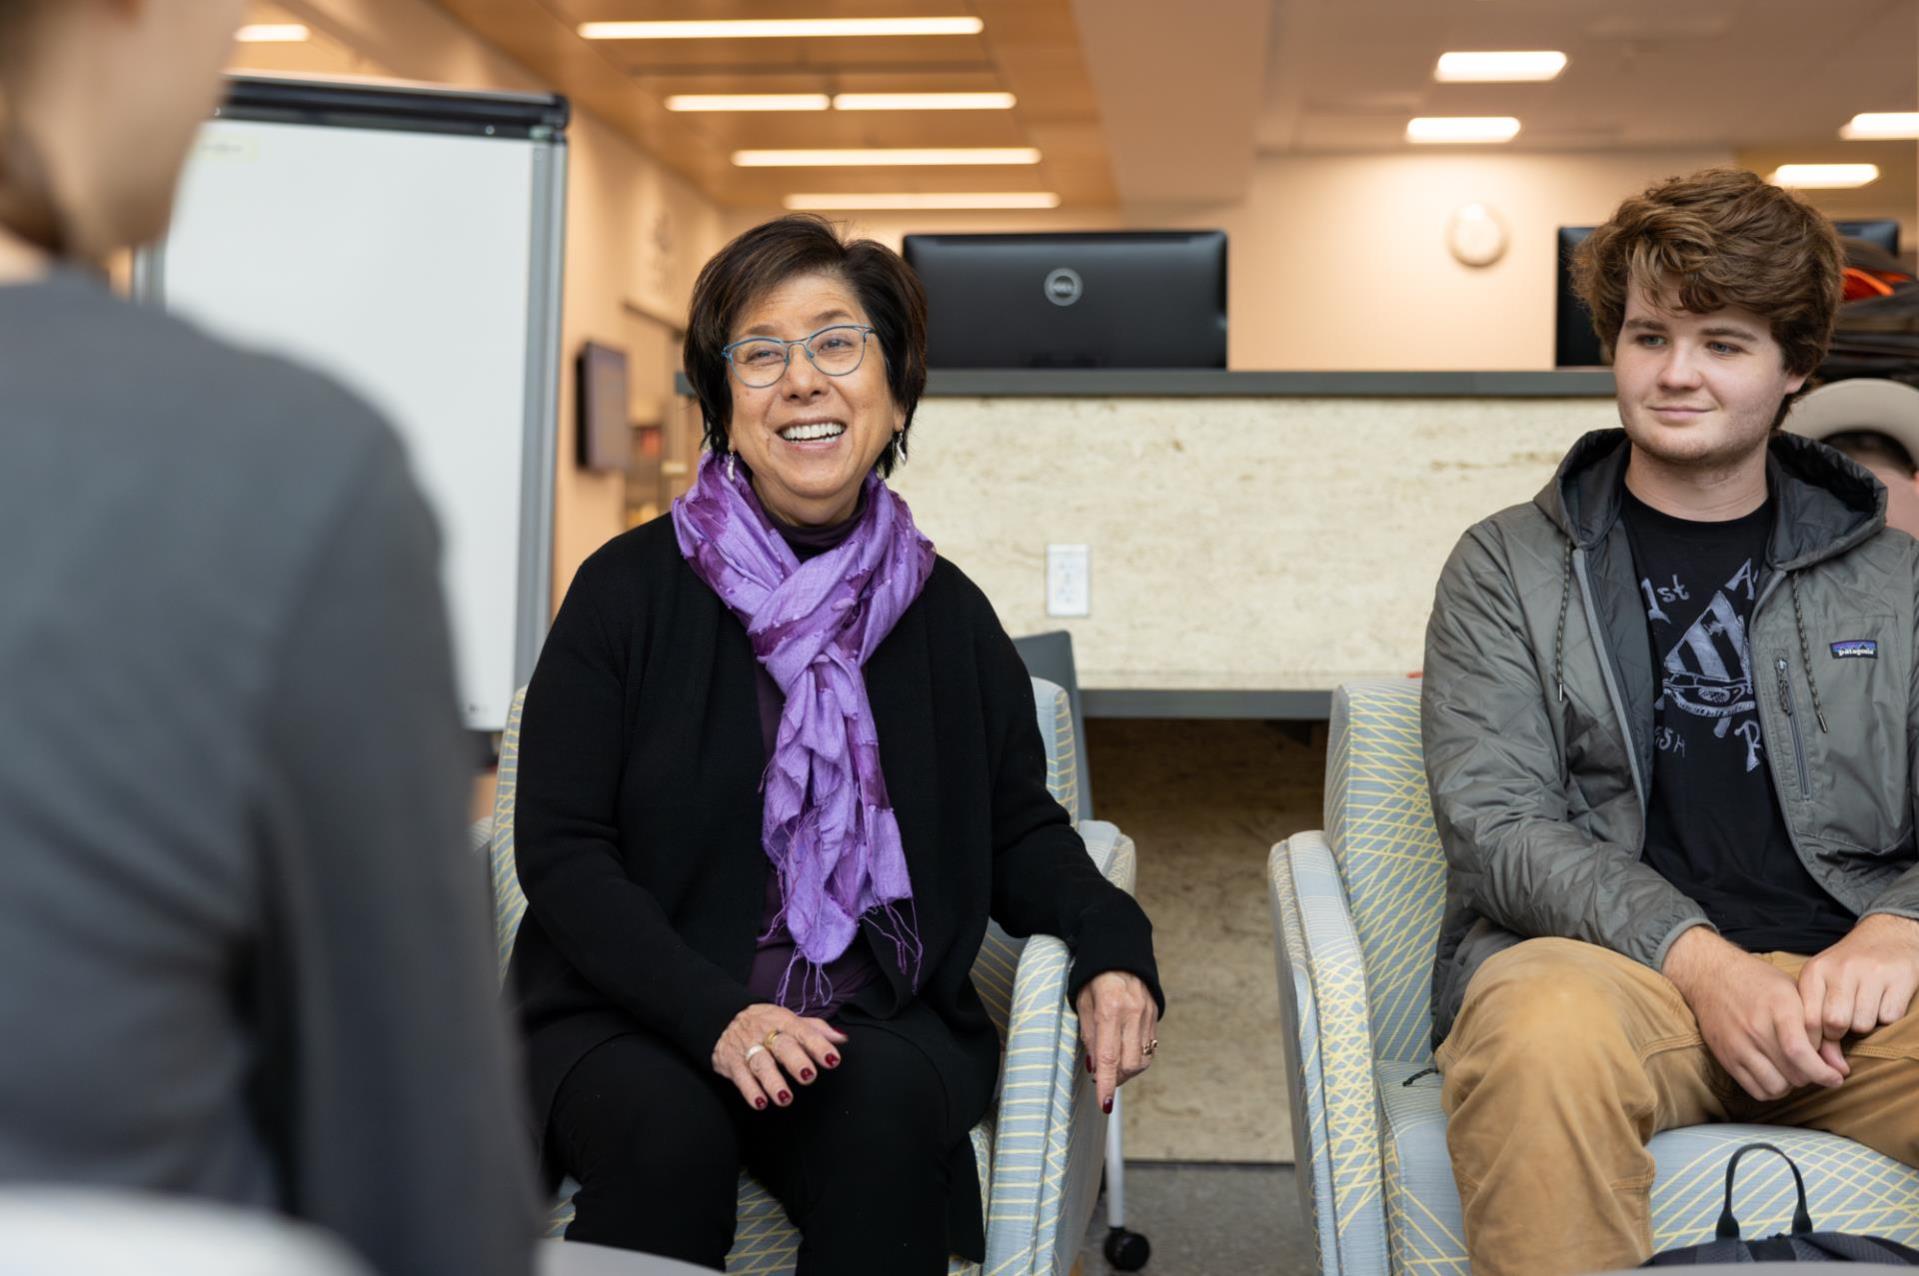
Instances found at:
x=826 y=822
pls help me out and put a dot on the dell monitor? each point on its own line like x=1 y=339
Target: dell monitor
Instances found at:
x=1880 y=232
x=1575 y=344
x=1120 y=299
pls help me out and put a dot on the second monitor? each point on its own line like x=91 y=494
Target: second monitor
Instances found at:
x=1117 y=299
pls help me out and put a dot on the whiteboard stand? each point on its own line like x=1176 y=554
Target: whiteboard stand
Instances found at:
x=408 y=240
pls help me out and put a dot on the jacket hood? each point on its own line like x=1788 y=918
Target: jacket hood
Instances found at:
x=1823 y=503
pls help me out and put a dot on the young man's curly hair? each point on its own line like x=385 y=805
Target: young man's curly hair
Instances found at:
x=1720 y=238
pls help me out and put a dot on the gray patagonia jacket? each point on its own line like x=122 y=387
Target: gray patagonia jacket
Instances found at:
x=1538 y=710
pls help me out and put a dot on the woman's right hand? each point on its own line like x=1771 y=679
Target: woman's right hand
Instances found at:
x=799 y=1049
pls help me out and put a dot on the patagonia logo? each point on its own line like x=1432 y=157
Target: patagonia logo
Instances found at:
x=1857 y=649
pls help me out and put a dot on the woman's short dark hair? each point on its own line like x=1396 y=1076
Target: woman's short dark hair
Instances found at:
x=766 y=257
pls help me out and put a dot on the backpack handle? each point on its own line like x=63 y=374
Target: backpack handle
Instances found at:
x=1728 y=1229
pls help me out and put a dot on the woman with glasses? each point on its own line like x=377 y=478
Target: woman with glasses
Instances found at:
x=779 y=764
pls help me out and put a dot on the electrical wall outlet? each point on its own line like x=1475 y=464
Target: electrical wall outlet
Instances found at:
x=1069 y=580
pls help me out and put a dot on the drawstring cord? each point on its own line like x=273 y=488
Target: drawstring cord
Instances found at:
x=1559 y=638
x=1805 y=652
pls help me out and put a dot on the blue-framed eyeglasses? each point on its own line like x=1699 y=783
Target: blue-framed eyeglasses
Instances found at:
x=759 y=362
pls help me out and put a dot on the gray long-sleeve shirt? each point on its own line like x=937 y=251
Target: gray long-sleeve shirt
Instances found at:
x=244 y=953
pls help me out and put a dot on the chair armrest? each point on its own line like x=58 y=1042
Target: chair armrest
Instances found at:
x=1113 y=851
x=1330 y=1056
x=1050 y=1141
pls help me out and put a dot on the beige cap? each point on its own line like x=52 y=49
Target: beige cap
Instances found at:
x=1862 y=403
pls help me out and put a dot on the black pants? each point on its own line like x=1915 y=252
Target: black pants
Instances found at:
x=858 y=1160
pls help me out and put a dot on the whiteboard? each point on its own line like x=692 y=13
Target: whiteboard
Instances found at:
x=420 y=267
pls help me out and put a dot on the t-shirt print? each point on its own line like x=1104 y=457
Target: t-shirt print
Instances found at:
x=1707 y=671
x=1714 y=827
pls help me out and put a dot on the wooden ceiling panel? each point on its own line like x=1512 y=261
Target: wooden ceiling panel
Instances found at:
x=985 y=80
x=799 y=130
x=1029 y=48
x=577 y=11
x=762 y=57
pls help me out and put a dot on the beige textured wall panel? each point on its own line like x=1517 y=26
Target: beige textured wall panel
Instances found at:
x=1236 y=543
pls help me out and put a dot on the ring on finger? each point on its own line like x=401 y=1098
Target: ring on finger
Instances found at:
x=767 y=1041
x=755 y=1048
x=1151 y=1047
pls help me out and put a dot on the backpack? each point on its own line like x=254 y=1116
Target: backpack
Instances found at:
x=1802 y=1245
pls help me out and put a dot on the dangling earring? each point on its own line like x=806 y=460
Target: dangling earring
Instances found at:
x=730 y=476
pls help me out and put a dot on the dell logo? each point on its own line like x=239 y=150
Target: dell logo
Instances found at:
x=1063 y=286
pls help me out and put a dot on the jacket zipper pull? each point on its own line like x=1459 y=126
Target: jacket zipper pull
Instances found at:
x=1785 y=688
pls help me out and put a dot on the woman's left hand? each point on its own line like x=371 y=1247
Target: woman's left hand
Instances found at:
x=1117 y=1020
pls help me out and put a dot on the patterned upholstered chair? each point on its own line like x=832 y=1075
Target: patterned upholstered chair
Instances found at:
x=1356 y=908
x=1039 y=1150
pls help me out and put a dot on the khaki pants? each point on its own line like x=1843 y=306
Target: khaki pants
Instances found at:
x=1567 y=1058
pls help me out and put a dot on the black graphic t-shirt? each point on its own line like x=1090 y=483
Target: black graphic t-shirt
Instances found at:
x=1714 y=828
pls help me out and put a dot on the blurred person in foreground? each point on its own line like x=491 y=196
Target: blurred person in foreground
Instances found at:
x=244 y=953
x=1669 y=719
x=1875 y=422
x=779 y=764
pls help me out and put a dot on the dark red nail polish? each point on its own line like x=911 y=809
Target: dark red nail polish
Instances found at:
x=1107 y=1107
x=786 y=1098
x=760 y=1103
x=832 y=1061
x=1089 y=1065
x=806 y=1074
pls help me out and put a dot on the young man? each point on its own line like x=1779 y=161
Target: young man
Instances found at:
x=1669 y=723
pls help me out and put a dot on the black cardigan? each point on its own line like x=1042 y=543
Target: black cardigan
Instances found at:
x=637 y=822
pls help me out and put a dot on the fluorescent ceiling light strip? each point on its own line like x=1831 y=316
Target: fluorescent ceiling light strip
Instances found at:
x=1460 y=129
x=888 y=158
x=748 y=102
x=1500 y=68
x=1824 y=176
x=923 y=102
x=1881 y=124
x=906 y=202
x=272 y=33
x=778 y=28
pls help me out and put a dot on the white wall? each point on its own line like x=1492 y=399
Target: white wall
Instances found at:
x=1340 y=262
x=635 y=232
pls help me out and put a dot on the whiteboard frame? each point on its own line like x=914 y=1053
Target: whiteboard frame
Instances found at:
x=541 y=118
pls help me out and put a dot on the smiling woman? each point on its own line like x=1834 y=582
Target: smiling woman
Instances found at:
x=808 y=429
x=778 y=766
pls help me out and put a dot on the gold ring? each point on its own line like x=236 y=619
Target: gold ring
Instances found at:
x=770 y=1038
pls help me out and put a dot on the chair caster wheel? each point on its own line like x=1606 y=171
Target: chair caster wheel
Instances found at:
x=1126 y=1251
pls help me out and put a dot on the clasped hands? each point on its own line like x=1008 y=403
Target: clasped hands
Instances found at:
x=1773 y=1033
x=767 y=1051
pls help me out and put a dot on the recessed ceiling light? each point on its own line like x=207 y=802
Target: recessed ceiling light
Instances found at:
x=272 y=33
x=889 y=157
x=778 y=28
x=1462 y=129
x=1881 y=124
x=1824 y=177
x=1500 y=68
x=959 y=200
x=748 y=102
x=923 y=101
